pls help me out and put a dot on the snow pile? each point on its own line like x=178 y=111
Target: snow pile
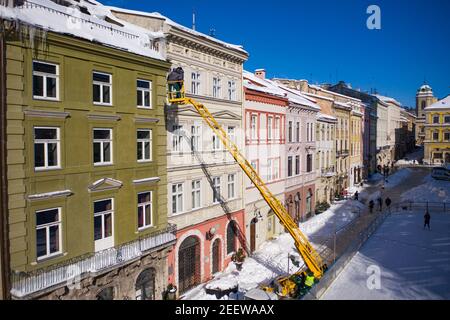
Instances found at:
x=226 y=283
x=89 y=20
x=431 y=190
x=413 y=262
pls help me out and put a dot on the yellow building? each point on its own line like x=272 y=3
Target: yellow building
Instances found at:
x=437 y=132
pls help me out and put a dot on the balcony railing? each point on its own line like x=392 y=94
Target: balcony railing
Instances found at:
x=343 y=153
x=24 y=283
x=328 y=172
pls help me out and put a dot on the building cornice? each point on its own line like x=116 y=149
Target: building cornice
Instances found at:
x=46 y=114
x=103 y=117
x=187 y=39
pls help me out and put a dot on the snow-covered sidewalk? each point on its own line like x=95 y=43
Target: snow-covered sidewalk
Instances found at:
x=271 y=260
x=414 y=263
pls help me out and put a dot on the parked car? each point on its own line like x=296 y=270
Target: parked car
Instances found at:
x=441 y=173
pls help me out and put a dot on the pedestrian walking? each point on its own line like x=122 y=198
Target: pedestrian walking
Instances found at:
x=388 y=202
x=371 y=205
x=356 y=195
x=380 y=203
x=427 y=218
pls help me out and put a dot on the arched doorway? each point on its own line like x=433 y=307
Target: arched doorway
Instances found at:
x=145 y=285
x=189 y=264
x=216 y=256
x=309 y=203
x=231 y=237
x=253 y=235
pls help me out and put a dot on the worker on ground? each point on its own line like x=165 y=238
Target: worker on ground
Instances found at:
x=388 y=202
x=175 y=79
x=371 y=205
x=427 y=218
x=356 y=195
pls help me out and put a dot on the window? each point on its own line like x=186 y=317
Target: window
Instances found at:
x=276 y=169
x=177 y=198
x=231 y=186
x=102 y=88
x=46 y=148
x=216 y=142
x=290 y=131
x=216 y=190
x=309 y=163
x=144 y=145
x=297 y=132
x=269 y=128
x=217 y=88
x=307 y=132
x=232 y=90
x=277 y=128
x=195 y=137
x=436 y=135
x=195 y=83
x=436 y=119
x=177 y=138
x=45 y=80
x=231 y=131
x=145 y=210
x=297 y=165
x=48 y=233
x=103 y=146
x=103 y=224
x=446 y=119
x=447 y=136
x=231 y=237
x=289 y=166
x=196 y=193
x=253 y=121
x=269 y=169
x=144 y=94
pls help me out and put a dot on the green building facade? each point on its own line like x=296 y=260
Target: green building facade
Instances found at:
x=86 y=170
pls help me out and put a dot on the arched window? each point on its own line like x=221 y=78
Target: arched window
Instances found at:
x=308 y=202
x=231 y=237
x=145 y=285
x=106 y=294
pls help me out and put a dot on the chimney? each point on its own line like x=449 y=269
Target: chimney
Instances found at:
x=260 y=73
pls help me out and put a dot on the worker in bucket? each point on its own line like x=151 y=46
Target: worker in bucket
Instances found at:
x=309 y=280
x=175 y=79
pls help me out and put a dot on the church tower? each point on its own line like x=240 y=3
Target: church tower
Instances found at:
x=424 y=98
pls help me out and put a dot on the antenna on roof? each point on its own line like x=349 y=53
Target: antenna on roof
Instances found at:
x=193 y=19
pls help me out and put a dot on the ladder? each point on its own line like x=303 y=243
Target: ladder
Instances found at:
x=310 y=256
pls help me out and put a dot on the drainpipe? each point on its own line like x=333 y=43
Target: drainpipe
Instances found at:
x=4 y=234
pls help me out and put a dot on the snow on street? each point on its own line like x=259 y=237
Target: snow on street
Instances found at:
x=414 y=263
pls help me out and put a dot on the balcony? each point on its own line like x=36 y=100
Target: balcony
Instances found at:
x=328 y=172
x=26 y=283
x=342 y=153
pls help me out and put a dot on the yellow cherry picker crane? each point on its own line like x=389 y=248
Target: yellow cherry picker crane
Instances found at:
x=286 y=285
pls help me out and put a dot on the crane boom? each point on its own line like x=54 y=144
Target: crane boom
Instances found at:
x=306 y=250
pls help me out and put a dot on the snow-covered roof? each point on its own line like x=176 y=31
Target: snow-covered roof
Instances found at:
x=179 y=26
x=89 y=20
x=325 y=117
x=387 y=99
x=262 y=85
x=297 y=97
x=441 y=104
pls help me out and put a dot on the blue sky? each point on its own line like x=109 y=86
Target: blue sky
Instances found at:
x=328 y=41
